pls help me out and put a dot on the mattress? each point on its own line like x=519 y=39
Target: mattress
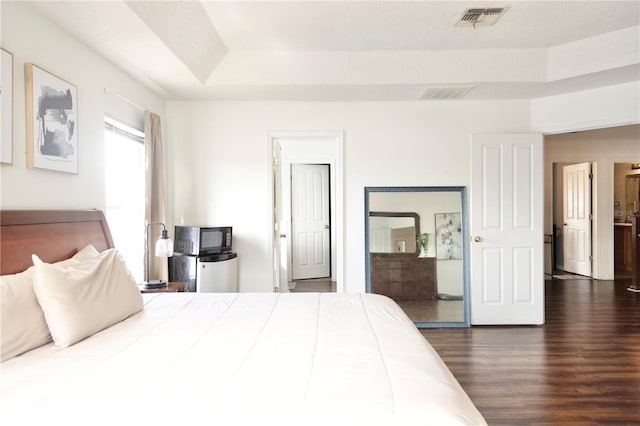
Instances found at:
x=241 y=359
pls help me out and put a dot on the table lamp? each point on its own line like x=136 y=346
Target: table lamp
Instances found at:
x=164 y=248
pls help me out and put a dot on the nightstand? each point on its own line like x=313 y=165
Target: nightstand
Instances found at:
x=171 y=287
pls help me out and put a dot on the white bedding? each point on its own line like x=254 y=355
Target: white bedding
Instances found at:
x=241 y=359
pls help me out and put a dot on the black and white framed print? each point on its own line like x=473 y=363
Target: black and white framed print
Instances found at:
x=52 y=121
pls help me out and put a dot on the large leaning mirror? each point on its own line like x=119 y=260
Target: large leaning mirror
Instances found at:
x=416 y=252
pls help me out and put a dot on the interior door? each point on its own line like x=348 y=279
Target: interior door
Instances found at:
x=279 y=235
x=576 y=225
x=506 y=228
x=311 y=249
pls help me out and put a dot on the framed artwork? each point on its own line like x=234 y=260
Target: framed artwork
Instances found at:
x=448 y=236
x=52 y=121
x=6 y=107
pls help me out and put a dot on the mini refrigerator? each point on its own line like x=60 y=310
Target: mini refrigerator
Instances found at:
x=216 y=273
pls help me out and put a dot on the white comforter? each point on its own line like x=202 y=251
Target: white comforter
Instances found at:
x=241 y=359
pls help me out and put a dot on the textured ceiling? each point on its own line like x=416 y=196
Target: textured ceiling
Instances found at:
x=409 y=25
x=357 y=50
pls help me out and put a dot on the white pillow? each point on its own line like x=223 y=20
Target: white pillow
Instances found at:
x=22 y=323
x=79 y=300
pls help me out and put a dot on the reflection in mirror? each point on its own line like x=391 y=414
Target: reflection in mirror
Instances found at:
x=430 y=285
x=632 y=197
x=391 y=232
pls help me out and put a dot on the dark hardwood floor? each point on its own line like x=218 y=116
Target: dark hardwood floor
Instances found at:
x=581 y=367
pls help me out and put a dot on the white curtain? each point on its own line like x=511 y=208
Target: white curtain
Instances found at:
x=154 y=193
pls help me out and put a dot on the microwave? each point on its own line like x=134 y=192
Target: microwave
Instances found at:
x=202 y=240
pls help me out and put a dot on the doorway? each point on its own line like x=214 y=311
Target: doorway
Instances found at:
x=306 y=148
x=626 y=202
x=602 y=147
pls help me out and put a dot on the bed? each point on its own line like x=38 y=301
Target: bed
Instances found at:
x=218 y=359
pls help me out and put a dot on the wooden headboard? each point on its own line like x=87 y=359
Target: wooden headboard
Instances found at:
x=53 y=235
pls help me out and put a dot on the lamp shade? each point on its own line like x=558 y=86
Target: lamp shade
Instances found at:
x=164 y=245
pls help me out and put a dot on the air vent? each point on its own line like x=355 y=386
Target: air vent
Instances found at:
x=481 y=17
x=442 y=93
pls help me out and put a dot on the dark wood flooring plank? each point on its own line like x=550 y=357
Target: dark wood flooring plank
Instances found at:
x=582 y=367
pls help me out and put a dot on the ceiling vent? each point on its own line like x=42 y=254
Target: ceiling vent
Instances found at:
x=443 y=93
x=484 y=17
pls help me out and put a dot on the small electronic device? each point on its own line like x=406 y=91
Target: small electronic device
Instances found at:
x=203 y=240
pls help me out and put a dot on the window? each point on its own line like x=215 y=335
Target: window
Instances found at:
x=125 y=192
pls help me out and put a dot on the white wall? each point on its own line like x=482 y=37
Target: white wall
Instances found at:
x=220 y=159
x=611 y=106
x=603 y=147
x=33 y=39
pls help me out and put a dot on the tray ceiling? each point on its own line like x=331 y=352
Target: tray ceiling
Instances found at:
x=358 y=50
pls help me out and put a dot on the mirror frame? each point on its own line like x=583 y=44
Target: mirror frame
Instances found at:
x=465 y=244
x=416 y=225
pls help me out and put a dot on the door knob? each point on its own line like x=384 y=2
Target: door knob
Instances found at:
x=326 y=227
x=477 y=239
x=283 y=235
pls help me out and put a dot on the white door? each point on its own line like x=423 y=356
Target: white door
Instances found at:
x=576 y=225
x=279 y=233
x=311 y=249
x=506 y=224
